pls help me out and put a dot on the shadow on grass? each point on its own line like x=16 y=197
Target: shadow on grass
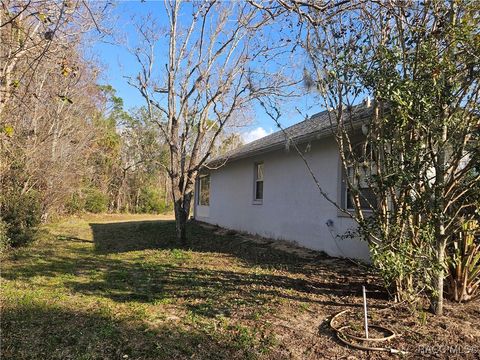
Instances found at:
x=55 y=333
x=205 y=285
x=122 y=237
x=118 y=237
x=214 y=284
x=210 y=292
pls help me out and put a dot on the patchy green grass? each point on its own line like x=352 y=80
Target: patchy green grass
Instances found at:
x=119 y=287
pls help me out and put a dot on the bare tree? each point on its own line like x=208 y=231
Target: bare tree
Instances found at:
x=48 y=96
x=213 y=71
x=34 y=32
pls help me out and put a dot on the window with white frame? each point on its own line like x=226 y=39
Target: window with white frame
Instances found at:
x=204 y=190
x=358 y=175
x=258 y=177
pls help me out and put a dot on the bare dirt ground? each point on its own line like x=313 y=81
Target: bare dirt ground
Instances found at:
x=418 y=332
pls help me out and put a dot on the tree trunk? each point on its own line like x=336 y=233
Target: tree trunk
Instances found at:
x=166 y=194
x=440 y=237
x=182 y=210
x=137 y=201
x=440 y=175
x=439 y=277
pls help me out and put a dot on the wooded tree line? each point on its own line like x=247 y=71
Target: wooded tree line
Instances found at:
x=67 y=143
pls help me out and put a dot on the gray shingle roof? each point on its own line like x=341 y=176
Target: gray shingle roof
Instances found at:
x=315 y=127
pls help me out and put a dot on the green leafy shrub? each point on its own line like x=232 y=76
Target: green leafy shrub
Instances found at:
x=21 y=215
x=75 y=204
x=95 y=201
x=151 y=201
x=4 y=239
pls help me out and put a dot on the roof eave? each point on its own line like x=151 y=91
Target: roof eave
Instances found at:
x=315 y=135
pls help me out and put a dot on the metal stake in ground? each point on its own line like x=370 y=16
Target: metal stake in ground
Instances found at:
x=365 y=311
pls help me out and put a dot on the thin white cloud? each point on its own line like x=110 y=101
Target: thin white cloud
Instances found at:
x=255 y=134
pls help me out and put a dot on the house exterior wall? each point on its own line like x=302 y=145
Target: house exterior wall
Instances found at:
x=292 y=207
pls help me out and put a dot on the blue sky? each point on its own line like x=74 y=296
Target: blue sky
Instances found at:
x=118 y=63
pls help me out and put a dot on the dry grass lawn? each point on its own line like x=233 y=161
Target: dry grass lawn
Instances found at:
x=119 y=287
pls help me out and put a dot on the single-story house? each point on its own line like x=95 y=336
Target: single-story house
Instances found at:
x=265 y=188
